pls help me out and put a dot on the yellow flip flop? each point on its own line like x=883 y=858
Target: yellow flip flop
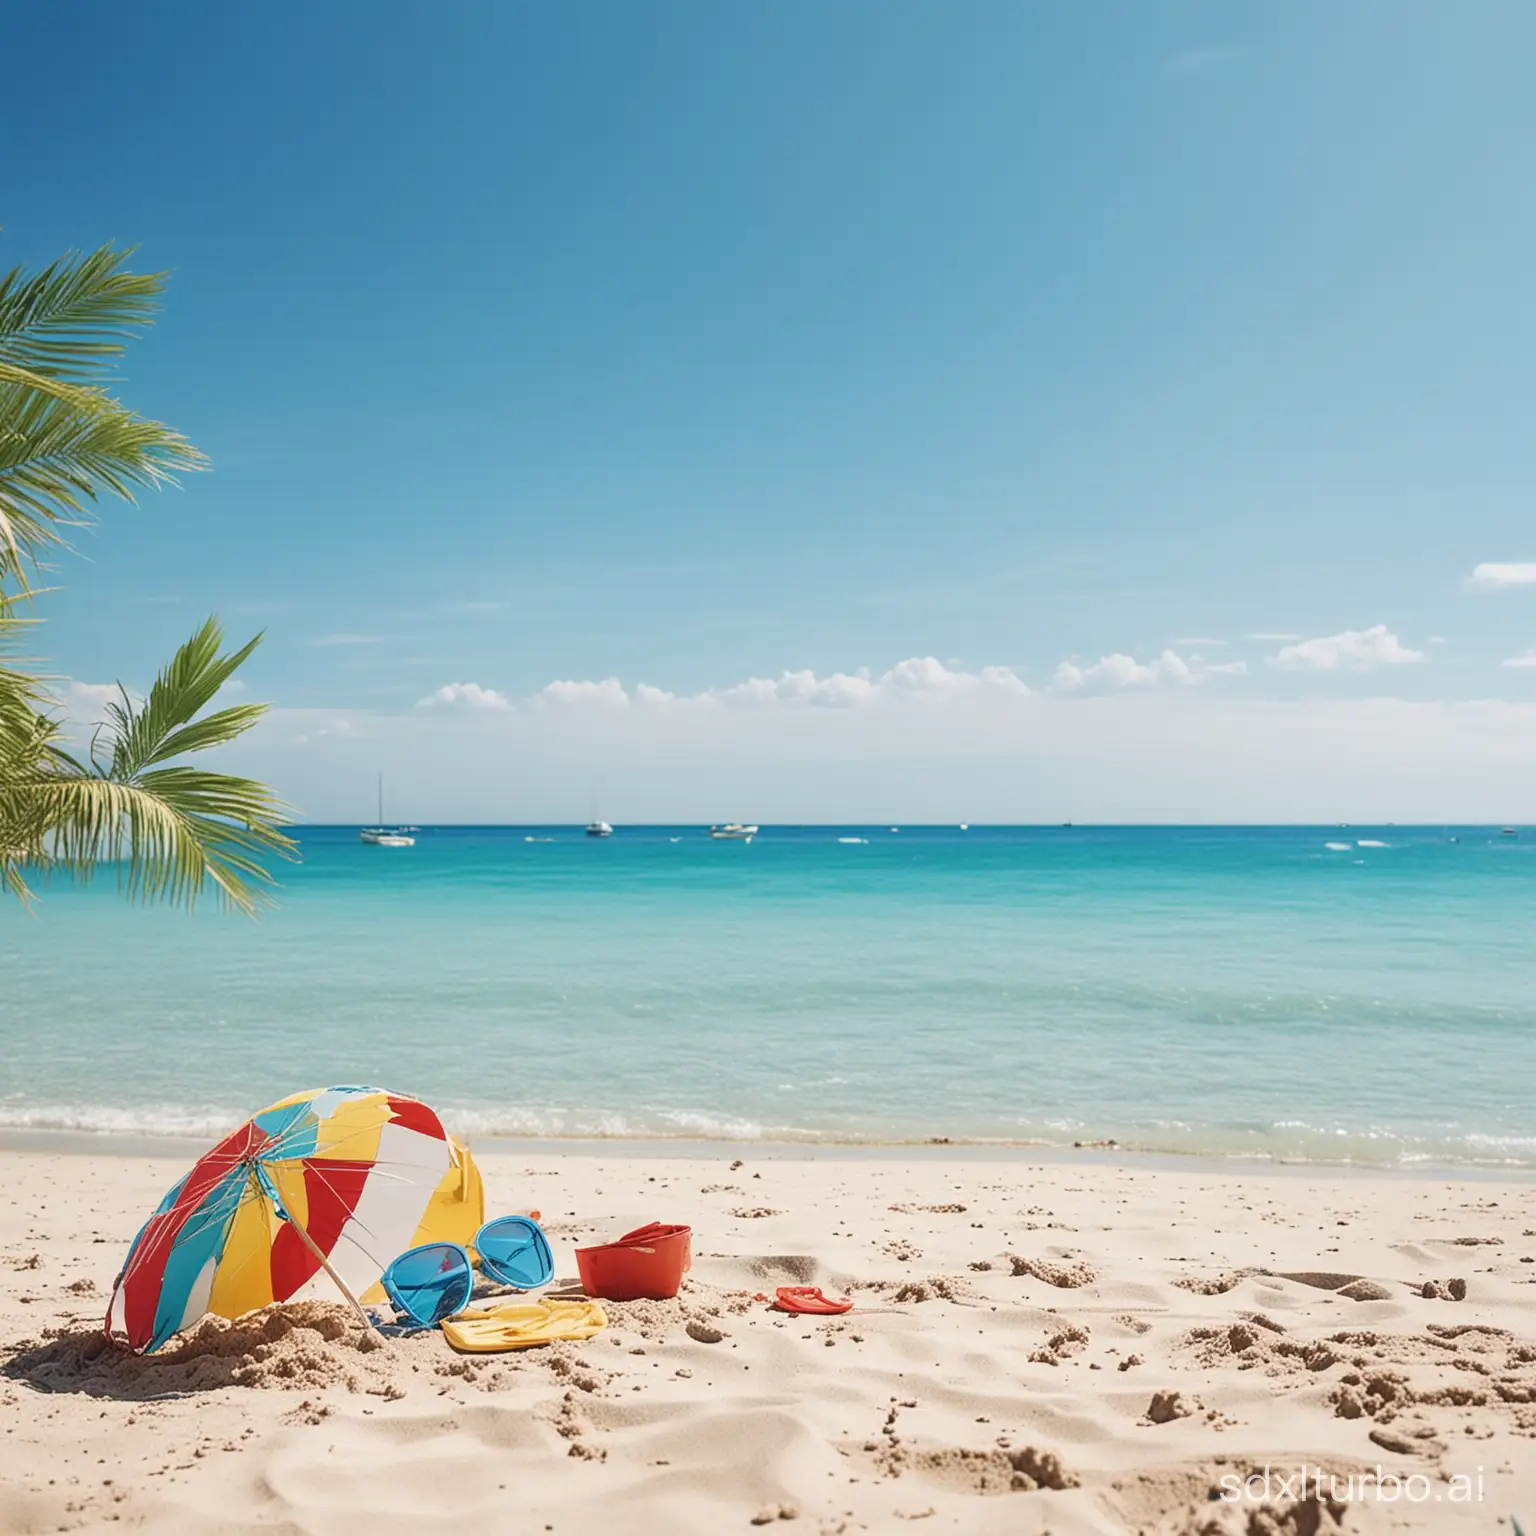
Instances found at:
x=522 y=1325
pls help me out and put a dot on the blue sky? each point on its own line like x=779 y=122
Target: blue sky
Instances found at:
x=692 y=344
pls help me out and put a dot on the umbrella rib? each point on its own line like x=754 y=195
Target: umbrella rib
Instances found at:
x=205 y=1215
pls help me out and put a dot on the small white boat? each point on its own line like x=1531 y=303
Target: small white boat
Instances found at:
x=599 y=829
x=387 y=837
x=733 y=832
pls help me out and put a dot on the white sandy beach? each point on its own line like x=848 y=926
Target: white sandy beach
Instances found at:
x=1015 y=1324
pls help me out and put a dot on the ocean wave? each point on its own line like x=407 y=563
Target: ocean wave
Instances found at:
x=179 y=1121
x=1302 y=1141
x=1289 y=1141
x=106 y=1120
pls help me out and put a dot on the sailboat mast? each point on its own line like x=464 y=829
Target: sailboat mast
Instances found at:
x=381 y=799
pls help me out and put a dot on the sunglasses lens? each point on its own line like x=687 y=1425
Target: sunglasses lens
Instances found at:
x=514 y=1251
x=430 y=1283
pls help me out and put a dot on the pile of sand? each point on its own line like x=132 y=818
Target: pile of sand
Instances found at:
x=1381 y=1376
x=1187 y=1501
x=307 y=1344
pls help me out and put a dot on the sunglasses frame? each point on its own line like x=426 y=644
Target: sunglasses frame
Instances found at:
x=540 y=1244
x=397 y=1301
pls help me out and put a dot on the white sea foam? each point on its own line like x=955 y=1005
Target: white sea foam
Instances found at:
x=1288 y=1140
x=1371 y=842
x=110 y=1120
x=1338 y=847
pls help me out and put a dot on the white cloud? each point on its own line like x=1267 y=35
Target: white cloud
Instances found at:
x=1121 y=671
x=1525 y=658
x=1004 y=678
x=842 y=690
x=1180 y=754
x=464 y=696
x=922 y=674
x=345 y=640
x=1354 y=650
x=88 y=700
x=609 y=691
x=919 y=678
x=1499 y=573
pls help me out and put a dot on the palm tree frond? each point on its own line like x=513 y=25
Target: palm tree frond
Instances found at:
x=215 y=730
x=168 y=836
x=60 y=451
x=72 y=319
x=171 y=829
x=187 y=685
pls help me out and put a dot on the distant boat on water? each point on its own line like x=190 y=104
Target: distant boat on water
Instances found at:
x=733 y=832
x=599 y=829
x=387 y=837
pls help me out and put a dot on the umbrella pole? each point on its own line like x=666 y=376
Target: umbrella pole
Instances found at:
x=325 y=1264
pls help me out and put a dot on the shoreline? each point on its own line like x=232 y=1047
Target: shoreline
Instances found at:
x=150 y=1144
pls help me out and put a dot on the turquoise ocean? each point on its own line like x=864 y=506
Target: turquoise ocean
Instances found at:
x=1343 y=994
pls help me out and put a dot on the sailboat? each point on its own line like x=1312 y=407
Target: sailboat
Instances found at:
x=733 y=831
x=597 y=827
x=382 y=836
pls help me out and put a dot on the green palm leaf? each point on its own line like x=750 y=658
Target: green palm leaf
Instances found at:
x=65 y=441
x=60 y=451
x=72 y=319
x=172 y=830
x=162 y=728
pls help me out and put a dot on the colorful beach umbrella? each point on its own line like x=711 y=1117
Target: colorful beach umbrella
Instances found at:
x=317 y=1193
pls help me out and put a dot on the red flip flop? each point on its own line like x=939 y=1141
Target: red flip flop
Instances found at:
x=808 y=1298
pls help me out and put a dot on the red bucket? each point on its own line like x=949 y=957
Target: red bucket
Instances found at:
x=649 y=1262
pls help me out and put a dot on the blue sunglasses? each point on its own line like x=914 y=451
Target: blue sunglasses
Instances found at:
x=434 y=1281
